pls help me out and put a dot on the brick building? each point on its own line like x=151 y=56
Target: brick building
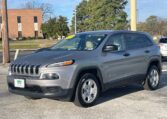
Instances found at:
x=24 y=23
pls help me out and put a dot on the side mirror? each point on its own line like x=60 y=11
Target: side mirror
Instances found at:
x=109 y=48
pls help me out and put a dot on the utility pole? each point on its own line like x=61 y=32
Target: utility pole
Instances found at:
x=133 y=15
x=75 y=13
x=5 y=39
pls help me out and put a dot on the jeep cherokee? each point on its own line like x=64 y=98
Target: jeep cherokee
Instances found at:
x=80 y=68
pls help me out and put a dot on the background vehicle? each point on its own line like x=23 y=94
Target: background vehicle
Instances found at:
x=163 y=47
x=86 y=65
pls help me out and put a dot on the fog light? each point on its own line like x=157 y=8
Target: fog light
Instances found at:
x=51 y=76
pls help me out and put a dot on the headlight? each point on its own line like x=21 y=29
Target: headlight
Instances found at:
x=50 y=76
x=59 y=64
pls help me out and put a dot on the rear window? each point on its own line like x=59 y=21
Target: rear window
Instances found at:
x=136 y=41
x=163 y=40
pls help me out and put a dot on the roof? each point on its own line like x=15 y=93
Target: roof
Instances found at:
x=24 y=9
x=112 y=31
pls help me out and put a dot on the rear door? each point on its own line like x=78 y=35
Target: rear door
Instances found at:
x=137 y=46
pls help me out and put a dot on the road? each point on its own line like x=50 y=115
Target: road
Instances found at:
x=130 y=102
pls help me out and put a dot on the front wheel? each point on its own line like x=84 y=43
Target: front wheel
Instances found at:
x=152 y=79
x=87 y=91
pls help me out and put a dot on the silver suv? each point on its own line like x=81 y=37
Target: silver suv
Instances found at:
x=81 y=67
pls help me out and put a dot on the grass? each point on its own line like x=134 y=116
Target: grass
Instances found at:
x=29 y=44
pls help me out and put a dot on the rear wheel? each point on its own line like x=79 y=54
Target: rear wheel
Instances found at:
x=152 y=79
x=87 y=91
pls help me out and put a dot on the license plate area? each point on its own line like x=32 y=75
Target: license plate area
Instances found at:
x=19 y=83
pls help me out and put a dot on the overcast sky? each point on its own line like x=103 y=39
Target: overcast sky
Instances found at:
x=66 y=7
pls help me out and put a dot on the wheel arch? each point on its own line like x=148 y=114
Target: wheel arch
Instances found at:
x=94 y=70
x=155 y=62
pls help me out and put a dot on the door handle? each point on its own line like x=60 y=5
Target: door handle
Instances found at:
x=147 y=51
x=126 y=54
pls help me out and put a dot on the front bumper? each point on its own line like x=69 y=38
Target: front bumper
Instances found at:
x=37 y=88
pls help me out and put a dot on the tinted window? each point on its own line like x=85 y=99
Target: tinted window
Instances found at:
x=136 y=41
x=19 y=19
x=163 y=40
x=35 y=19
x=117 y=40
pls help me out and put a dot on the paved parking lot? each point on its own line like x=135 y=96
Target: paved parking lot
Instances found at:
x=131 y=102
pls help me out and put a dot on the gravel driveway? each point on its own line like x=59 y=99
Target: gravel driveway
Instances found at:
x=131 y=102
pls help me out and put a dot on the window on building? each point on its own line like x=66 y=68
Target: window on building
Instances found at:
x=35 y=19
x=19 y=34
x=36 y=34
x=19 y=19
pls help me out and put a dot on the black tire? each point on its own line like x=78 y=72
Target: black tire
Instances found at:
x=31 y=98
x=148 y=85
x=79 y=101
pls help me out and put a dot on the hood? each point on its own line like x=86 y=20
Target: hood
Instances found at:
x=47 y=57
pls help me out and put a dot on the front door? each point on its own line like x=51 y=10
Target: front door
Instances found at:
x=116 y=65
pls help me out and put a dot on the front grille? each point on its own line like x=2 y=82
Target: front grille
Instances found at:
x=24 y=69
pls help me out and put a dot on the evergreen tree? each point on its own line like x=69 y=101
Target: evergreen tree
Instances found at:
x=101 y=15
x=56 y=27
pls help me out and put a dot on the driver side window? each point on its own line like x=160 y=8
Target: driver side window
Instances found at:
x=117 y=40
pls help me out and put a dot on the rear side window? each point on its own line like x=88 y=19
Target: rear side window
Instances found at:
x=163 y=40
x=136 y=41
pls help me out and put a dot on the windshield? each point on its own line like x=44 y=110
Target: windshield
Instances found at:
x=163 y=40
x=80 y=42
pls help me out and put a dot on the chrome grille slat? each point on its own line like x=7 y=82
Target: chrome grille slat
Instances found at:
x=29 y=70
x=20 y=69
x=16 y=69
x=25 y=69
x=34 y=69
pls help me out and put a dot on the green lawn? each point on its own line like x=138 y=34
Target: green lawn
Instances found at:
x=29 y=44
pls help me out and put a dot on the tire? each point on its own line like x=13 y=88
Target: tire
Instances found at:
x=152 y=78
x=87 y=91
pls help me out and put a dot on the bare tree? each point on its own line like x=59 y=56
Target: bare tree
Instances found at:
x=46 y=8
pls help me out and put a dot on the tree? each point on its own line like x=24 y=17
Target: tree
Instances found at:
x=101 y=15
x=154 y=25
x=55 y=27
x=62 y=25
x=46 y=8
